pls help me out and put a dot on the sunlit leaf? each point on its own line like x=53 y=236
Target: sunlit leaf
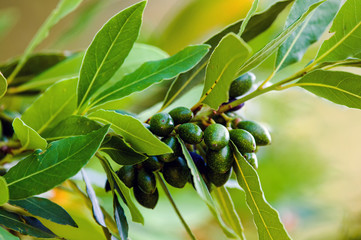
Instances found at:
x=28 y=137
x=4 y=191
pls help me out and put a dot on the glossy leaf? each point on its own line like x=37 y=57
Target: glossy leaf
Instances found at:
x=120 y=219
x=14 y=222
x=121 y=152
x=55 y=104
x=267 y=220
x=248 y=17
x=3 y=85
x=46 y=209
x=28 y=137
x=5 y=235
x=4 y=191
x=133 y=132
x=202 y=190
x=293 y=49
x=108 y=51
x=41 y=172
x=153 y=72
x=222 y=68
x=339 y=87
x=345 y=41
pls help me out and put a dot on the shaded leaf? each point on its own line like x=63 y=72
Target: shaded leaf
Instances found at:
x=36 y=223
x=46 y=209
x=3 y=85
x=28 y=137
x=41 y=172
x=120 y=219
x=248 y=17
x=133 y=132
x=267 y=220
x=5 y=235
x=4 y=191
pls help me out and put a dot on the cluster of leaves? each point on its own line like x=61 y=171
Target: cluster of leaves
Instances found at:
x=73 y=117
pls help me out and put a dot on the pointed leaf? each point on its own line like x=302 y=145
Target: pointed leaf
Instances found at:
x=248 y=17
x=46 y=209
x=3 y=85
x=5 y=235
x=108 y=51
x=222 y=68
x=36 y=223
x=120 y=219
x=4 y=191
x=41 y=172
x=339 y=87
x=266 y=218
x=133 y=132
x=29 y=139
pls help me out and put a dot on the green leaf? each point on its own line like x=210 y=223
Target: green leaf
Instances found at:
x=203 y=192
x=5 y=235
x=347 y=33
x=14 y=222
x=28 y=137
x=41 y=172
x=266 y=218
x=222 y=68
x=248 y=17
x=339 y=87
x=153 y=72
x=71 y=126
x=3 y=85
x=108 y=51
x=272 y=46
x=133 y=132
x=121 y=152
x=256 y=25
x=120 y=219
x=4 y=191
x=46 y=209
x=293 y=49
x=63 y=8
x=55 y=104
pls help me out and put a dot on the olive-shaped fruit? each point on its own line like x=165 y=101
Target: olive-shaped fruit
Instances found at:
x=199 y=162
x=236 y=108
x=243 y=140
x=216 y=136
x=173 y=143
x=176 y=173
x=190 y=133
x=252 y=159
x=241 y=85
x=181 y=115
x=153 y=164
x=146 y=181
x=218 y=179
x=220 y=161
x=259 y=132
x=127 y=175
x=146 y=200
x=161 y=124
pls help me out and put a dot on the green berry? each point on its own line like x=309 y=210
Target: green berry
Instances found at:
x=176 y=173
x=252 y=159
x=243 y=140
x=146 y=181
x=241 y=85
x=181 y=115
x=218 y=179
x=153 y=164
x=127 y=175
x=220 y=161
x=190 y=133
x=216 y=137
x=259 y=132
x=161 y=124
x=173 y=143
x=146 y=200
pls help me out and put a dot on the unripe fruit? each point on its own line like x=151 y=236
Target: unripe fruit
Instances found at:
x=176 y=173
x=146 y=200
x=243 y=140
x=190 y=133
x=173 y=143
x=161 y=124
x=216 y=137
x=181 y=115
x=241 y=85
x=259 y=132
x=218 y=179
x=127 y=175
x=146 y=181
x=220 y=161
x=153 y=164
x=252 y=159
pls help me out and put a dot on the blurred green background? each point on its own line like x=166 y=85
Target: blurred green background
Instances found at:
x=310 y=173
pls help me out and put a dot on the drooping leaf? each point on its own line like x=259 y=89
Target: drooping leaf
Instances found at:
x=248 y=17
x=222 y=68
x=347 y=33
x=5 y=235
x=121 y=152
x=153 y=72
x=14 y=222
x=265 y=217
x=108 y=51
x=3 y=85
x=28 y=137
x=55 y=104
x=203 y=192
x=36 y=223
x=339 y=87
x=62 y=159
x=133 y=132
x=120 y=218
x=4 y=191
x=293 y=49
x=46 y=209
